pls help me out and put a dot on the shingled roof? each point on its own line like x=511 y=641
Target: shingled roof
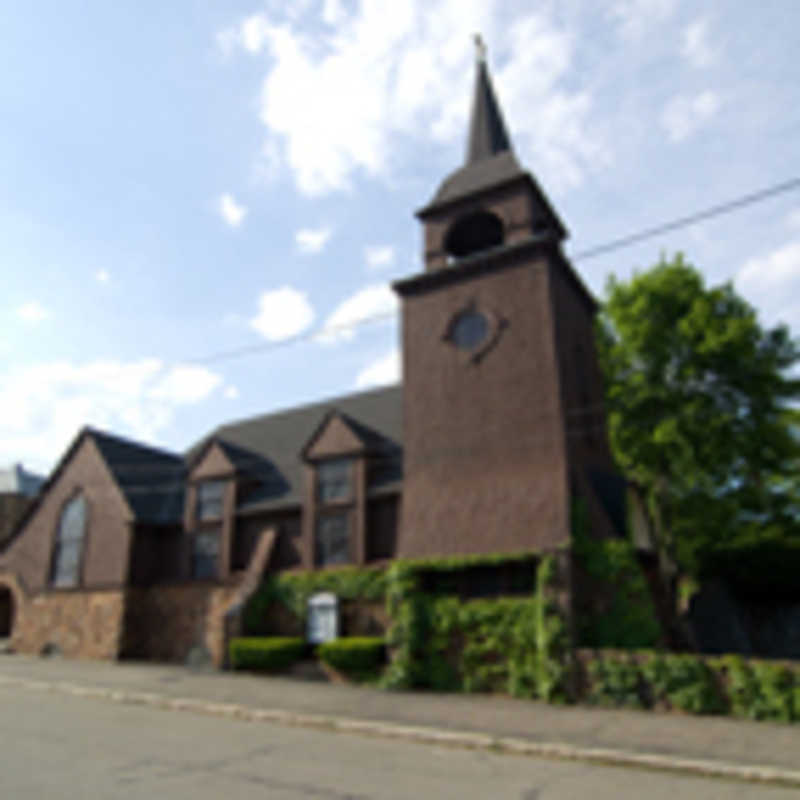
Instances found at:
x=151 y=479
x=268 y=447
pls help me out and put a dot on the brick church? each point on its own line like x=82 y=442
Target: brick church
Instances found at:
x=497 y=427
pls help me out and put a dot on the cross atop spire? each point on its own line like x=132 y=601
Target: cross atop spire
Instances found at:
x=480 y=48
x=487 y=131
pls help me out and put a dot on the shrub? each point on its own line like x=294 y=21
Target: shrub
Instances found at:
x=268 y=654
x=355 y=655
x=685 y=682
x=628 y=618
x=614 y=682
x=774 y=699
x=741 y=686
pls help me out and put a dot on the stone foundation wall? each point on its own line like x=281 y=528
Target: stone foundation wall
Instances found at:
x=74 y=624
x=178 y=622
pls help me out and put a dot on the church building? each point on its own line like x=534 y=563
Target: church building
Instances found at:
x=496 y=429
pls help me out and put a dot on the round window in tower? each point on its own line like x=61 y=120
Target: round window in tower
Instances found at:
x=469 y=330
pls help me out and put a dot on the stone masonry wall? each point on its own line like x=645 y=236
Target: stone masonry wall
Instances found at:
x=178 y=622
x=73 y=623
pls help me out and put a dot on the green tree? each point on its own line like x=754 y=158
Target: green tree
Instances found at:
x=699 y=399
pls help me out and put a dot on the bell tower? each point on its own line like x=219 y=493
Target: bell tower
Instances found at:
x=499 y=372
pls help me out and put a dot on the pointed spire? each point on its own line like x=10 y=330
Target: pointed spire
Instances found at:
x=487 y=131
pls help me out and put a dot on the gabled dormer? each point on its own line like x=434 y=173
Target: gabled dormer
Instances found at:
x=334 y=513
x=209 y=513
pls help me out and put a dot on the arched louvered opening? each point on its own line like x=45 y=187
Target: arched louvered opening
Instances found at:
x=473 y=233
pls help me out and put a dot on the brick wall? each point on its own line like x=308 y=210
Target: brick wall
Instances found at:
x=176 y=622
x=12 y=508
x=104 y=560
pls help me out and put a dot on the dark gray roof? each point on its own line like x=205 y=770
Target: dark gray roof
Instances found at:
x=478 y=176
x=151 y=479
x=487 y=131
x=268 y=447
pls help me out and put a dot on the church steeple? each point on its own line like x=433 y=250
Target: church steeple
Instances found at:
x=487 y=130
x=490 y=202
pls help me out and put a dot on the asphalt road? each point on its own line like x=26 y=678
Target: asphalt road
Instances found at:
x=58 y=746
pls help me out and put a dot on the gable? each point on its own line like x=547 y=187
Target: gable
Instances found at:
x=214 y=463
x=106 y=545
x=334 y=437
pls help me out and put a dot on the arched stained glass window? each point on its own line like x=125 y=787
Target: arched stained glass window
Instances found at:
x=69 y=543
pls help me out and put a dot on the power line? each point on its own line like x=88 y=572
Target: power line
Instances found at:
x=319 y=334
x=615 y=244
x=691 y=219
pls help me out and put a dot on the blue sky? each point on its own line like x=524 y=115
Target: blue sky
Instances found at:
x=182 y=179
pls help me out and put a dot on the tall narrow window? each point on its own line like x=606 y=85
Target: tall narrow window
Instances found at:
x=333 y=538
x=205 y=554
x=69 y=543
x=210 y=495
x=334 y=480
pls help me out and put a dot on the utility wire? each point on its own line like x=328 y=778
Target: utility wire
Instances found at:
x=615 y=244
x=691 y=219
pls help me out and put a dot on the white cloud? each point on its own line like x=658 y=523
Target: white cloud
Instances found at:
x=231 y=211
x=231 y=392
x=338 y=103
x=32 y=312
x=772 y=282
x=250 y=34
x=685 y=115
x=282 y=313
x=379 y=256
x=793 y=219
x=102 y=276
x=333 y=12
x=696 y=48
x=637 y=17
x=185 y=385
x=366 y=304
x=384 y=370
x=312 y=240
x=42 y=406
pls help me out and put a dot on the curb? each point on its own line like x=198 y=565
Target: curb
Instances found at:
x=774 y=776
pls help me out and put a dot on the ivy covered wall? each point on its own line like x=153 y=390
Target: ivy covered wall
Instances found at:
x=517 y=644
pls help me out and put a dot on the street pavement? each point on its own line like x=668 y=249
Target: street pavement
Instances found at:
x=670 y=738
x=82 y=748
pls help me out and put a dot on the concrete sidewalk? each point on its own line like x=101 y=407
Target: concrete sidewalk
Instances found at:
x=664 y=741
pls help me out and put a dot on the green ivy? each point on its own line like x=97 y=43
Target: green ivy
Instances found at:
x=630 y=619
x=684 y=681
x=761 y=690
x=514 y=644
x=615 y=682
x=294 y=589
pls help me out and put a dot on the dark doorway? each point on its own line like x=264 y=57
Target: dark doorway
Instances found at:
x=6 y=613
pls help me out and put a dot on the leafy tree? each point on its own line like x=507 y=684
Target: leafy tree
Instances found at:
x=699 y=399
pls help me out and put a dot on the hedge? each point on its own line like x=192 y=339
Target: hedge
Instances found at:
x=352 y=655
x=268 y=654
x=698 y=684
